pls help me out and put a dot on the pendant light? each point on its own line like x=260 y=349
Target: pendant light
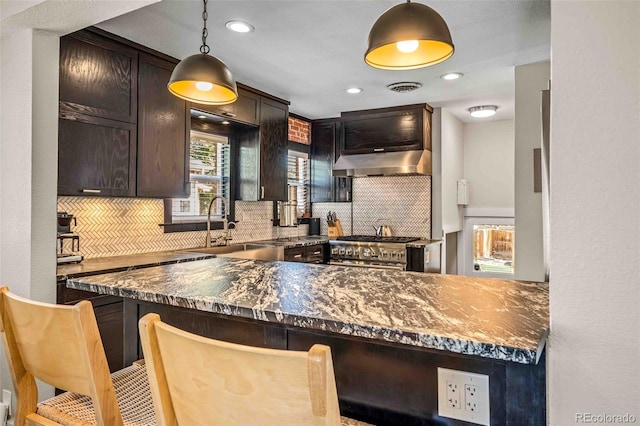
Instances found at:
x=201 y=78
x=408 y=36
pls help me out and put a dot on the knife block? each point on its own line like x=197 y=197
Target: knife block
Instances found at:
x=335 y=230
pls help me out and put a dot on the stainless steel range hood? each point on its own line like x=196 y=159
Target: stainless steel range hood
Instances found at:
x=384 y=164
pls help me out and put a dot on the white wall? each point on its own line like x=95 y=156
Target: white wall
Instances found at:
x=447 y=145
x=594 y=347
x=489 y=164
x=530 y=81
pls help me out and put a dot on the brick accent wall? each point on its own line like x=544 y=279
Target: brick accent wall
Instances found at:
x=299 y=130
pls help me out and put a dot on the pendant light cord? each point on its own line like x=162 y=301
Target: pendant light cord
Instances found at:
x=204 y=48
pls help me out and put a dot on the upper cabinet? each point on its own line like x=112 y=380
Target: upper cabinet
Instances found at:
x=98 y=77
x=246 y=109
x=324 y=187
x=384 y=130
x=121 y=133
x=163 y=133
x=261 y=155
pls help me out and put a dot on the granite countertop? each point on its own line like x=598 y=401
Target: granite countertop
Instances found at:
x=423 y=243
x=124 y=263
x=307 y=240
x=492 y=318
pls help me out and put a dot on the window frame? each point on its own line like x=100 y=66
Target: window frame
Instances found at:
x=170 y=226
x=467 y=249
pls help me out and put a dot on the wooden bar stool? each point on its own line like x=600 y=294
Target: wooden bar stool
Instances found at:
x=61 y=346
x=199 y=381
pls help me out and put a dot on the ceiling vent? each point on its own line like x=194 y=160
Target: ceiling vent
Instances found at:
x=404 y=87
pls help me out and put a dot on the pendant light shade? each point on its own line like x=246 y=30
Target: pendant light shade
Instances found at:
x=408 y=36
x=201 y=78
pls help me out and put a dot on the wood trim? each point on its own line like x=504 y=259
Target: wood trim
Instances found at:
x=388 y=109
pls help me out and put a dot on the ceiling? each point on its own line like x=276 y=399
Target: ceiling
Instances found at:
x=309 y=52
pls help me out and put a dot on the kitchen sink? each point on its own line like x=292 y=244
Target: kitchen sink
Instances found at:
x=244 y=251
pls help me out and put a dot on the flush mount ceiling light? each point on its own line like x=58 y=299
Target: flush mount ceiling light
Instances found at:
x=239 y=26
x=201 y=78
x=451 y=76
x=483 y=111
x=354 y=90
x=408 y=36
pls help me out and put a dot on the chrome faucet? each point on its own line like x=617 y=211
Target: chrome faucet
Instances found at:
x=225 y=224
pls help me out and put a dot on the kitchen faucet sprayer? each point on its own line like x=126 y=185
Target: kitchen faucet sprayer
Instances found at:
x=225 y=223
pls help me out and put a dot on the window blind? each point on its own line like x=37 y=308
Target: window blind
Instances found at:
x=209 y=176
x=298 y=176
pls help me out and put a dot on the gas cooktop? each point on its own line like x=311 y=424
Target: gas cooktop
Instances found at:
x=374 y=239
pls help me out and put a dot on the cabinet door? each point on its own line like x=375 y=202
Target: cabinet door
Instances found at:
x=163 y=133
x=110 y=319
x=321 y=158
x=273 y=150
x=295 y=254
x=315 y=253
x=96 y=156
x=98 y=77
x=385 y=131
x=245 y=109
x=342 y=189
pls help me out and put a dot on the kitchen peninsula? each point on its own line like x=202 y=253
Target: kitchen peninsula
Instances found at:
x=388 y=330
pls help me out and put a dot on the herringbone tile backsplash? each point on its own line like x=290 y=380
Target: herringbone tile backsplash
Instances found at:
x=121 y=226
x=402 y=202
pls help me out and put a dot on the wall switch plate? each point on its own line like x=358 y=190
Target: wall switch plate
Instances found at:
x=463 y=396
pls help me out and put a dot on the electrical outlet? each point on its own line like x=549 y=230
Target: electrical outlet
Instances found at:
x=463 y=396
x=453 y=392
x=6 y=399
x=470 y=397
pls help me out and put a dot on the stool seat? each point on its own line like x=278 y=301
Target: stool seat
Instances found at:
x=132 y=393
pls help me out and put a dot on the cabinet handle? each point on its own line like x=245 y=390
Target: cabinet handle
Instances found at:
x=317 y=252
x=378 y=149
x=261 y=192
x=297 y=256
x=229 y=114
x=91 y=191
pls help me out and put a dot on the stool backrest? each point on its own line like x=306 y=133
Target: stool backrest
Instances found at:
x=59 y=345
x=199 y=381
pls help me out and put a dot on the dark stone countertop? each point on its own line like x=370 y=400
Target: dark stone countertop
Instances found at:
x=309 y=240
x=423 y=243
x=123 y=263
x=492 y=318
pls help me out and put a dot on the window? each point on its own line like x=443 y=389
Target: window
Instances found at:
x=298 y=176
x=209 y=177
x=489 y=247
x=493 y=248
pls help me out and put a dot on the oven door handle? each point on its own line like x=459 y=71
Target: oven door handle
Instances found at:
x=364 y=265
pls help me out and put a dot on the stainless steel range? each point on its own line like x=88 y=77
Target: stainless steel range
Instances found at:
x=370 y=251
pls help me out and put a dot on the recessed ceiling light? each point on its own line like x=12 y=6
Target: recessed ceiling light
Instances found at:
x=239 y=26
x=202 y=116
x=225 y=122
x=354 y=90
x=451 y=76
x=483 y=111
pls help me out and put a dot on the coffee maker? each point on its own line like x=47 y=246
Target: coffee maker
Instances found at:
x=64 y=233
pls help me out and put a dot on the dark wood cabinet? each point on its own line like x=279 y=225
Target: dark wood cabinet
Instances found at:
x=261 y=155
x=98 y=77
x=403 y=128
x=96 y=156
x=246 y=109
x=274 y=135
x=163 y=133
x=324 y=143
x=307 y=254
x=109 y=314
